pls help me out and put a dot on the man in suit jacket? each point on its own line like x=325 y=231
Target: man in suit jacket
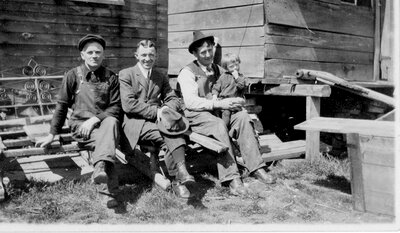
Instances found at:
x=145 y=94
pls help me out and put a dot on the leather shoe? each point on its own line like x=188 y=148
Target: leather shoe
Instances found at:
x=237 y=188
x=99 y=174
x=264 y=177
x=180 y=190
x=183 y=175
x=109 y=201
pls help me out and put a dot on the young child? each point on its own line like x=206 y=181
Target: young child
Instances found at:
x=230 y=84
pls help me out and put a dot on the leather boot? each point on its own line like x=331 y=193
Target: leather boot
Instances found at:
x=180 y=190
x=237 y=188
x=183 y=175
x=263 y=176
x=99 y=175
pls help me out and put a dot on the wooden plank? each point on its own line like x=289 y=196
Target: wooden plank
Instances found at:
x=328 y=78
x=387 y=116
x=344 y=125
x=286 y=35
x=177 y=6
x=285 y=154
x=252 y=59
x=378 y=202
x=207 y=142
x=287 y=52
x=377 y=41
x=59 y=45
x=276 y=68
x=40 y=151
x=269 y=139
x=25 y=121
x=379 y=178
x=69 y=8
x=144 y=21
x=298 y=90
x=313 y=109
x=249 y=36
x=321 y=16
x=247 y=16
x=357 y=181
x=378 y=150
x=74 y=29
x=298 y=145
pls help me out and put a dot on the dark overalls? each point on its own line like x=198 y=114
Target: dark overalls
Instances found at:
x=91 y=98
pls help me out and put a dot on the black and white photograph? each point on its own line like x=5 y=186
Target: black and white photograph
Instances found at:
x=199 y=115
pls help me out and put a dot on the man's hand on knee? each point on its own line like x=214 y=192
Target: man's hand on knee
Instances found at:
x=87 y=126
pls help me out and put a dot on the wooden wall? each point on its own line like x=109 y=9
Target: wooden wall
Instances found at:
x=319 y=34
x=239 y=25
x=276 y=37
x=48 y=31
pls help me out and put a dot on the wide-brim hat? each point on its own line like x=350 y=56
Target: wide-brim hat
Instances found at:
x=172 y=122
x=198 y=38
x=90 y=38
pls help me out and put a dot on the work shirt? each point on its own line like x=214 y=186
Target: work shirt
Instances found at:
x=98 y=96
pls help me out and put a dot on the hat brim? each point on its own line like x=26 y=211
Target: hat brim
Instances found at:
x=162 y=128
x=192 y=45
x=82 y=43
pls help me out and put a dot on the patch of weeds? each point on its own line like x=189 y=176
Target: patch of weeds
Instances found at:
x=280 y=216
x=229 y=208
x=252 y=209
x=309 y=215
x=144 y=216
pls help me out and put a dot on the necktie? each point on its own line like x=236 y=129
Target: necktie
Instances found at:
x=93 y=77
x=209 y=71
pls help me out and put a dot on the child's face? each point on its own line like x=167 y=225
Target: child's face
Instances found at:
x=232 y=66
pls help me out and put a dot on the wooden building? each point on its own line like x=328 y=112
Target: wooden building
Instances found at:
x=38 y=44
x=48 y=31
x=274 y=38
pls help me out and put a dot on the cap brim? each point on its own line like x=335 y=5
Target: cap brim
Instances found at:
x=173 y=133
x=191 y=46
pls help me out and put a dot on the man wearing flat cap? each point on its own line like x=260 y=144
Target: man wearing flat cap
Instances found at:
x=196 y=81
x=92 y=91
x=152 y=115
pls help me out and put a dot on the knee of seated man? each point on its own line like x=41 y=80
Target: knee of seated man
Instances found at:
x=110 y=120
x=243 y=116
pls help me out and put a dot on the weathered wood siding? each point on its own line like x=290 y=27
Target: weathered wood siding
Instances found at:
x=48 y=31
x=239 y=25
x=320 y=35
x=277 y=37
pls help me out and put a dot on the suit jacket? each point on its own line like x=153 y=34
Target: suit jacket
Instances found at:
x=141 y=101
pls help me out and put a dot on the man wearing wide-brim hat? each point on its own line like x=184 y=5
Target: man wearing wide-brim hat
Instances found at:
x=152 y=115
x=92 y=91
x=195 y=83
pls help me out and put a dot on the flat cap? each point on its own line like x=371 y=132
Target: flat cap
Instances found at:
x=90 y=38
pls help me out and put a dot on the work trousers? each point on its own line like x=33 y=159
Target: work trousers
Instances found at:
x=103 y=141
x=150 y=134
x=241 y=129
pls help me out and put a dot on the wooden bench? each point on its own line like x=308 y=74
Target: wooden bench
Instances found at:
x=370 y=146
x=18 y=146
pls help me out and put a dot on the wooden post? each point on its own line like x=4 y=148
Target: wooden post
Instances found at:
x=377 y=40
x=313 y=107
x=357 y=185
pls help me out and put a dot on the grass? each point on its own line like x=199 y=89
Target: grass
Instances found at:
x=305 y=192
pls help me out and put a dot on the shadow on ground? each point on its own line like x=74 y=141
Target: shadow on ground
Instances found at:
x=335 y=182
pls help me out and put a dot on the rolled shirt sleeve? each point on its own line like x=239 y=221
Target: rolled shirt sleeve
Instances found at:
x=190 y=92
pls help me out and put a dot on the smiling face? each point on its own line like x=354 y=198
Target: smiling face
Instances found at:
x=146 y=56
x=205 y=54
x=93 y=55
